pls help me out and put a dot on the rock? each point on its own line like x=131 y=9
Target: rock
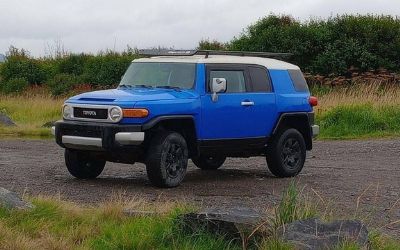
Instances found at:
x=6 y=121
x=11 y=200
x=314 y=234
x=231 y=223
x=48 y=124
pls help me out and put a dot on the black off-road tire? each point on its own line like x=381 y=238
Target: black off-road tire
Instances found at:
x=286 y=153
x=82 y=164
x=209 y=162
x=167 y=159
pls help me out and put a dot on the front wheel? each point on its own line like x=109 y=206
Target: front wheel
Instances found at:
x=167 y=159
x=205 y=162
x=286 y=153
x=83 y=165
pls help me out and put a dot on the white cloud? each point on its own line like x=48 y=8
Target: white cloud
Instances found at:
x=93 y=25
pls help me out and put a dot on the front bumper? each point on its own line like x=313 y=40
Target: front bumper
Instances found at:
x=98 y=136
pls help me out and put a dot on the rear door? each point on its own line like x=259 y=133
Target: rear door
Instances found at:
x=264 y=98
x=244 y=110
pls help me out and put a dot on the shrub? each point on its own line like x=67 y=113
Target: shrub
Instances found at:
x=106 y=69
x=62 y=84
x=206 y=44
x=20 y=65
x=72 y=64
x=16 y=85
x=328 y=46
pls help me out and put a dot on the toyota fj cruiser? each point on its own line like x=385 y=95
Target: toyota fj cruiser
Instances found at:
x=198 y=105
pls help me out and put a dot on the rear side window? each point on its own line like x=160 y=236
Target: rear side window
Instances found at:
x=299 y=82
x=260 y=80
x=235 y=81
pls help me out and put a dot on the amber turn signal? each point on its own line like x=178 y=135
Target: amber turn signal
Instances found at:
x=135 y=113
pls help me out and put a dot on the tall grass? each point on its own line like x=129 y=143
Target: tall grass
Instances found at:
x=54 y=224
x=362 y=110
x=374 y=92
x=30 y=111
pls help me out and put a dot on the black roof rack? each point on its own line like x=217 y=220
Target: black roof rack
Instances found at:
x=242 y=53
x=206 y=53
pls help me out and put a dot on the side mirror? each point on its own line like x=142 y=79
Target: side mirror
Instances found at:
x=218 y=85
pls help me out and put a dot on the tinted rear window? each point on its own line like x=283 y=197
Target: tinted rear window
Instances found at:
x=260 y=80
x=299 y=82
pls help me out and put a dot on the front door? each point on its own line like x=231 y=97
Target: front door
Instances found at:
x=242 y=112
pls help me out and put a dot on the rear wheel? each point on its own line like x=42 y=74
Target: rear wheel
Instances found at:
x=82 y=164
x=209 y=162
x=287 y=153
x=167 y=159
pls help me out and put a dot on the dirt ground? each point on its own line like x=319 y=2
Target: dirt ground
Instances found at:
x=350 y=178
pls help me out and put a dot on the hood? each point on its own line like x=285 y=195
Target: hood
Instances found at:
x=130 y=95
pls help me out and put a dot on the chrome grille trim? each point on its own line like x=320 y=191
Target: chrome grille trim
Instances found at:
x=92 y=106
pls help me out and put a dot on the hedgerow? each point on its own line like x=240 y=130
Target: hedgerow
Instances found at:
x=63 y=72
x=334 y=46
x=326 y=46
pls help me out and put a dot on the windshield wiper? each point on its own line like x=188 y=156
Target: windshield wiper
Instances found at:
x=143 y=86
x=135 y=86
x=124 y=86
x=169 y=87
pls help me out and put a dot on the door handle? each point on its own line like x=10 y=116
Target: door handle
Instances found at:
x=247 y=103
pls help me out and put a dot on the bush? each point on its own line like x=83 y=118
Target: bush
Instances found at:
x=14 y=86
x=106 y=69
x=62 y=84
x=328 y=46
x=72 y=64
x=206 y=44
x=20 y=65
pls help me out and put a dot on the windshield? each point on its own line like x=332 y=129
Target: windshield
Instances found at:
x=161 y=75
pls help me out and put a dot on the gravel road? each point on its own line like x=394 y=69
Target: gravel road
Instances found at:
x=347 y=177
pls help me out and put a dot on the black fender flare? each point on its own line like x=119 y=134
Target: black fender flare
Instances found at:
x=301 y=121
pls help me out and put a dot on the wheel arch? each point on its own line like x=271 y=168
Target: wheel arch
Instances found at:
x=182 y=124
x=299 y=121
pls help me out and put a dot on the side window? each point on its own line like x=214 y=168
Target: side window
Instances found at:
x=235 y=81
x=260 y=80
x=300 y=83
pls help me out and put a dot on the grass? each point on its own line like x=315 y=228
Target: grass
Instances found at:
x=294 y=206
x=362 y=110
x=56 y=224
x=29 y=112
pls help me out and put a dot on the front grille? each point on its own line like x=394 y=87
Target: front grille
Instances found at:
x=90 y=113
x=83 y=131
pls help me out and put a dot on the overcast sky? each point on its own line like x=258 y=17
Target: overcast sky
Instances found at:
x=93 y=25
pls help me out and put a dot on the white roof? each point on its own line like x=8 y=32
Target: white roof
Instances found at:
x=269 y=63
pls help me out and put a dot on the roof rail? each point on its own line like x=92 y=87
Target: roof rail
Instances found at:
x=166 y=52
x=242 y=53
x=206 y=53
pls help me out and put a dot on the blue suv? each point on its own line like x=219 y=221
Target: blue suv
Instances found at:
x=198 y=105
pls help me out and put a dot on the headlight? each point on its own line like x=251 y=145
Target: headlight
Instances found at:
x=115 y=114
x=67 y=111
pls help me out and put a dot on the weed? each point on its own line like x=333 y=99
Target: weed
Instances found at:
x=294 y=206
